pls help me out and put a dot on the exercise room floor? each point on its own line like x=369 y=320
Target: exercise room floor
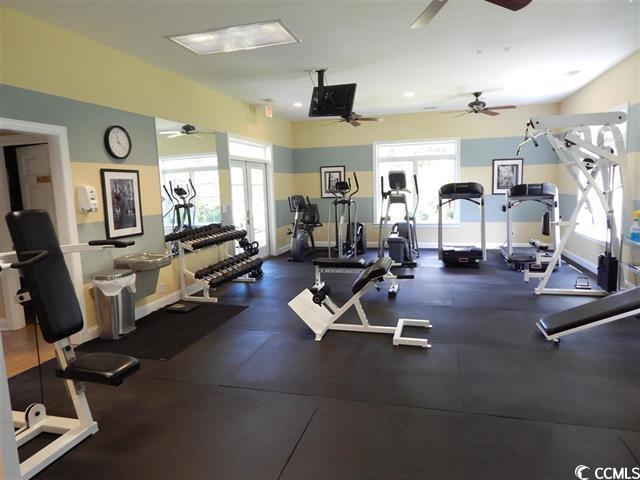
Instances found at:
x=258 y=398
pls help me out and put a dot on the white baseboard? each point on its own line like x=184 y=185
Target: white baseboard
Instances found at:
x=283 y=249
x=582 y=262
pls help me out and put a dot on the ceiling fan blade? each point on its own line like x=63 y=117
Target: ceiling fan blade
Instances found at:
x=463 y=113
x=368 y=119
x=501 y=107
x=175 y=135
x=168 y=132
x=513 y=5
x=355 y=123
x=490 y=112
x=428 y=13
x=197 y=136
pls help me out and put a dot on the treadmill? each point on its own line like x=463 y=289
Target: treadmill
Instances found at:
x=457 y=255
x=538 y=254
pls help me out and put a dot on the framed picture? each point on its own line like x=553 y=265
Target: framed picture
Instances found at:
x=507 y=172
x=329 y=176
x=122 y=207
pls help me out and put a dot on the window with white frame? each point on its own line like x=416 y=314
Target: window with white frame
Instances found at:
x=593 y=224
x=434 y=162
x=249 y=150
x=202 y=170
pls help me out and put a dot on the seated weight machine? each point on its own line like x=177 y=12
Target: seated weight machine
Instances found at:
x=401 y=240
x=306 y=219
x=592 y=165
x=48 y=286
x=350 y=236
x=320 y=313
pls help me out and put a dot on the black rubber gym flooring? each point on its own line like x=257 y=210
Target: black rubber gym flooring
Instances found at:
x=258 y=398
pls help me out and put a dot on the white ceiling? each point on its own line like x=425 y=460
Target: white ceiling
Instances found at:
x=370 y=43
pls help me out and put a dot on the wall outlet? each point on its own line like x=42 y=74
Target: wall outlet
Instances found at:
x=162 y=287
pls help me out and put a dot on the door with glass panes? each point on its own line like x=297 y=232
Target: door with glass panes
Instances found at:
x=249 y=200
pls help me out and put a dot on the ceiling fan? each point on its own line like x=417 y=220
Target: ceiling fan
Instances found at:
x=478 y=106
x=434 y=7
x=353 y=119
x=186 y=130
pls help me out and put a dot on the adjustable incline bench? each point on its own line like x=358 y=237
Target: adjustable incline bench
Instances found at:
x=608 y=309
x=53 y=297
x=320 y=313
x=352 y=265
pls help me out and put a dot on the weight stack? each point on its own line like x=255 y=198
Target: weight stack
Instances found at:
x=608 y=273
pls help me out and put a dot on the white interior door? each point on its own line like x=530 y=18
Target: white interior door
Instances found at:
x=249 y=200
x=35 y=179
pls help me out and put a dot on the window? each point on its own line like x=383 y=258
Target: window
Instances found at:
x=248 y=150
x=594 y=224
x=202 y=170
x=435 y=162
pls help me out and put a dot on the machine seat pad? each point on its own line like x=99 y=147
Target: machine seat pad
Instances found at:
x=105 y=368
x=340 y=262
x=610 y=306
x=522 y=258
x=381 y=266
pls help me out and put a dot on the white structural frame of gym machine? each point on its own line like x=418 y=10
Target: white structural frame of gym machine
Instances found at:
x=462 y=191
x=321 y=313
x=34 y=420
x=582 y=159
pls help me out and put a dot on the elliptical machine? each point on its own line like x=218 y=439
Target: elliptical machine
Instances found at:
x=184 y=211
x=306 y=219
x=402 y=240
x=350 y=236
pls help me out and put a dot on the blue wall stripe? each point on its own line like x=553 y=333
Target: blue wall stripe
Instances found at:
x=353 y=157
x=636 y=204
x=86 y=124
x=282 y=159
x=480 y=152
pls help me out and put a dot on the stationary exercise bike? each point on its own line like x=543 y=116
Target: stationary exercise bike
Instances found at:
x=184 y=211
x=306 y=219
x=402 y=240
x=350 y=236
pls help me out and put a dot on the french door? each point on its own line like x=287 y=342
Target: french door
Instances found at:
x=249 y=200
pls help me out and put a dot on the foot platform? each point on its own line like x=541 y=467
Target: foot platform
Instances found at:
x=398 y=339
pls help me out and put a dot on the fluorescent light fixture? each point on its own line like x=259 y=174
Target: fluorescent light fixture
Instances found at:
x=238 y=37
x=409 y=94
x=297 y=104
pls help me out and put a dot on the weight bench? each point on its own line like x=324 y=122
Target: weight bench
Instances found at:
x=349 y=265
x=608 y=309
x=52 y=294
x=320 y=313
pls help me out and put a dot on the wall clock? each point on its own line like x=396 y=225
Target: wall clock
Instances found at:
x=117 y=142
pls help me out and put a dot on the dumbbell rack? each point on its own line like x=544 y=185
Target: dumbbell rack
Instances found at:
x=233 y=268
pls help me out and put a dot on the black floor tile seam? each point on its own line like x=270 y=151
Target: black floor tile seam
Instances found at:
x=293 y=450
x=462 y=408
x=432 y=409
x=629 y=449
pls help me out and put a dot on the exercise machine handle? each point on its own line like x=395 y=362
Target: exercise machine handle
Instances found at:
x=415 y=182
x=355 y=176
x=111 y=243
x=34 y=257
x=192 y=192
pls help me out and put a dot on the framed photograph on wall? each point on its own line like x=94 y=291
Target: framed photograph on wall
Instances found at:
x=122 y=206
x=507 y=172
x=328 y=177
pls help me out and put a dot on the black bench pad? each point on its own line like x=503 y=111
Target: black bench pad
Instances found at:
x=381 y=266
x=523 y=258
x=105 y=368
x=610 y=306
x=340 y=262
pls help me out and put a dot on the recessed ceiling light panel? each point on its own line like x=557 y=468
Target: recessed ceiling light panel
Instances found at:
x=236 y=38
x=409 y=94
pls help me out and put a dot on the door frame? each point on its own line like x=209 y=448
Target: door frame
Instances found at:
x=271 y=199
x=66 y=225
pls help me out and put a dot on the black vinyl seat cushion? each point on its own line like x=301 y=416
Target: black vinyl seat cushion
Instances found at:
x=105 y=368
x=340 y=262
x=610 y=306
x=381 y=266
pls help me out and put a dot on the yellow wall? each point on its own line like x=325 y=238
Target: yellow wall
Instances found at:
x=317 y=133
x=41 y=57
